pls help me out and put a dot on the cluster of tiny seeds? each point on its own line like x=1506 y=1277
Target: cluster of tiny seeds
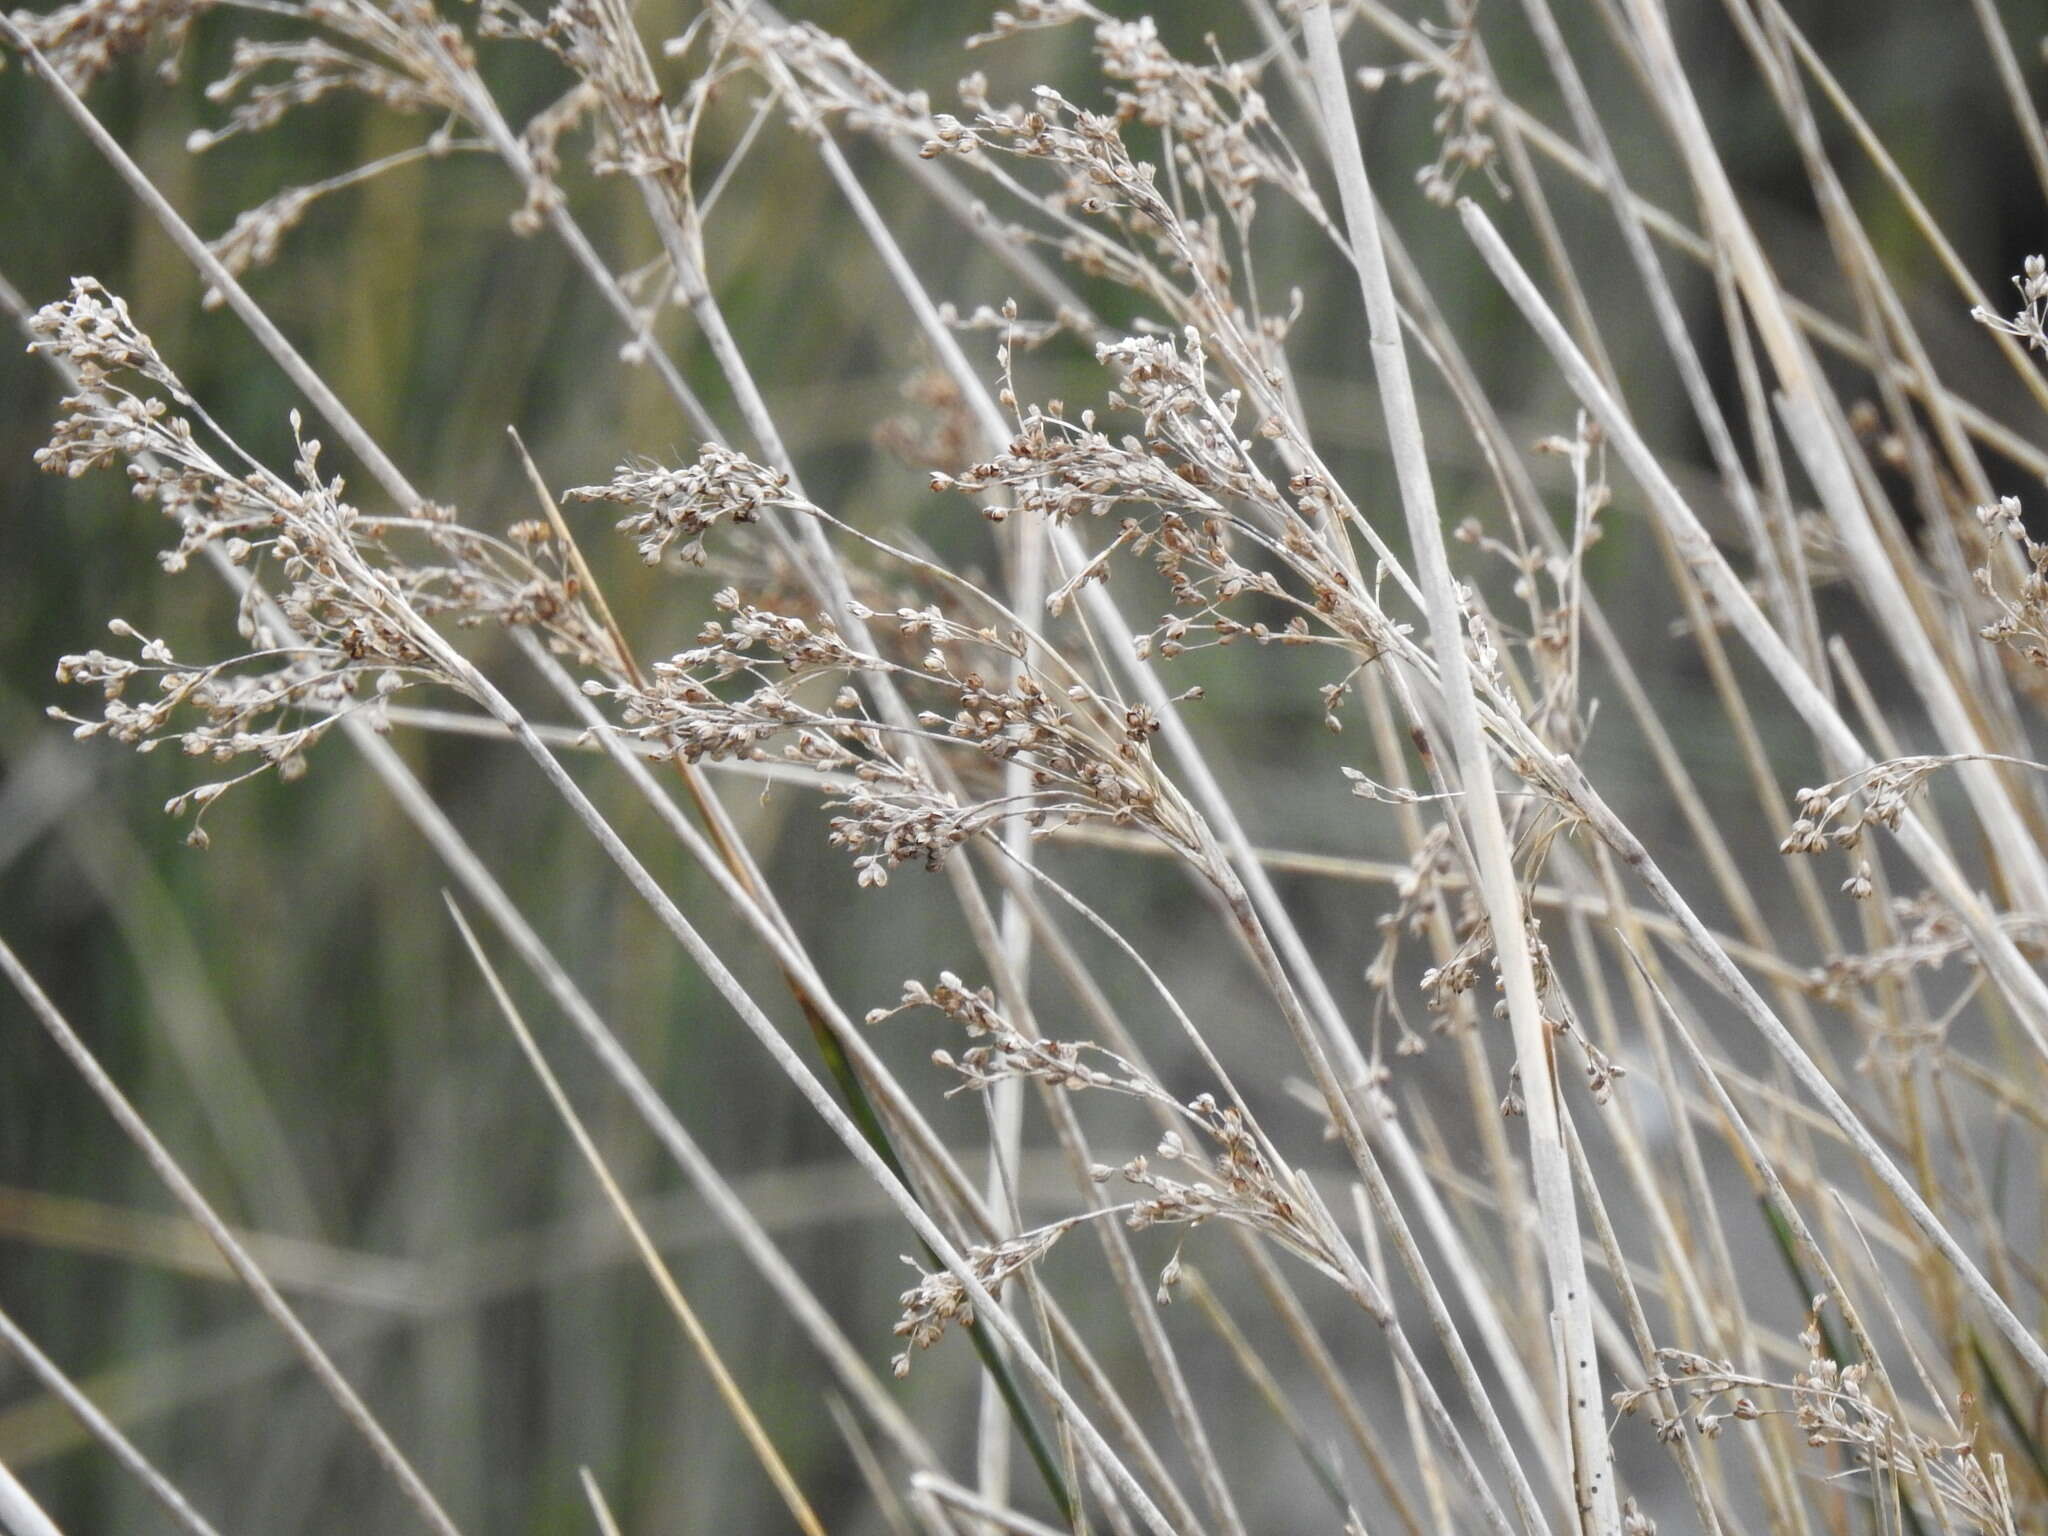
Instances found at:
x=2022 y=622
x=636 y=131
x=677 y=708
x=1088 y=756
x=1214 y=117
x=1236 y=1180
x=1420 y=891
x=402 y=55
x=1463 y=123
x=1831 y=1405
x=1188 y=481
x=1099 y=180
x=87 y=38
x=1004 y=1053
x=1033 y=15
x=1704 y=1383
x=1211 y=119
x=686 y=502
x=1929 y=937
x=837 y=82
x=1834 y=815
x=940 y=1297
x=2030 y=322
x=356 y=616
x=891 y=818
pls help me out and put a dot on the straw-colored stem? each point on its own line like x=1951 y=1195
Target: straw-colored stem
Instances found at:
x=102 y=1429
x=196 y=1205
x=1598 y=1508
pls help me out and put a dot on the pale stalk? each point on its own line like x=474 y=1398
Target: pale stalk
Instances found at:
x=20 y=1514
x=187 y=1194
x=1682 y=1448
x=1737 y=987
x=2019 y=93
x=1811 y=421
x=1598 y=1508
x=102 y=1429
x=472 y=681
x=1261 y=913
x=1774 y=1190
x=1830 y=333
x=1433 y=1489
x=729 y=1390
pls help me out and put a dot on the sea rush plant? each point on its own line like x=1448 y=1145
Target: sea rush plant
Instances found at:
x=1573 y=1235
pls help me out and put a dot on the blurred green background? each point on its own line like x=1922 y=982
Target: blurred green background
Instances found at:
x=293 y=1010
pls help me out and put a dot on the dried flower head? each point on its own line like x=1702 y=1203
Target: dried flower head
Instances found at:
x=2027 y=323
x=351 y=620
x=687 y=502
x=1833 y=1408
x=86 y=38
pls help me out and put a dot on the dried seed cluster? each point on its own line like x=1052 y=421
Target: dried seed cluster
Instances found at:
x=1832 y=1406
x=351 y=621
x=2018 y=587
x=999 y=697
x=2030 y=322
x=1231 y=1173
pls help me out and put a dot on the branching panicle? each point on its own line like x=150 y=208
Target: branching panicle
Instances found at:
x=687 y=502
x=350 y=623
